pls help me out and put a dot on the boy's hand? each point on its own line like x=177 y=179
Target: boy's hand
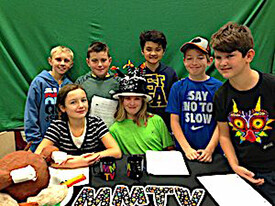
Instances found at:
x=245 y=173
x=191 y=154
x=205 y=155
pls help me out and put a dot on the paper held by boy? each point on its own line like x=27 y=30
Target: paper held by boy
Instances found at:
x=104 y=108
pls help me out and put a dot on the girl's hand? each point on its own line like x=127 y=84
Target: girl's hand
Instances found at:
x=91 y=158
x=78 y=161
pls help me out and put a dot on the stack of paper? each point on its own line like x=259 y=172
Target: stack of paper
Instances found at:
x=165 y=163
x=230 y=190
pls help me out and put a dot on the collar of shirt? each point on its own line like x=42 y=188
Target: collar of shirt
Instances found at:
x=96 y=77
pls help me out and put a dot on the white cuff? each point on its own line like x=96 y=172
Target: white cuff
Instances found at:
x=59 y=156
x=23 y=174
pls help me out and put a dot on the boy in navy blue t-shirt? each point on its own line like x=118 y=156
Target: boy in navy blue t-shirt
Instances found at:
x=191 y=104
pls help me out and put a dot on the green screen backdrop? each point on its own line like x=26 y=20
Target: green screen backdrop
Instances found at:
x=29 y=29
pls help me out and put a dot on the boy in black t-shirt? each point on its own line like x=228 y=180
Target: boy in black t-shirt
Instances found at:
x=245 y=109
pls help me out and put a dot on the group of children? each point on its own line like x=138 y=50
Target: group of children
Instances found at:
x=202 y=112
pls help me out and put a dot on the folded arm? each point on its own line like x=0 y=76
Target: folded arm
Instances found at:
x=112 y=148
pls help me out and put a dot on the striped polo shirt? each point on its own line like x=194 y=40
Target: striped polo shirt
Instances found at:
x=59 y=133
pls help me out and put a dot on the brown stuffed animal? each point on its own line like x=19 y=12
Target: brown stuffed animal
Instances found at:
x=21 y=159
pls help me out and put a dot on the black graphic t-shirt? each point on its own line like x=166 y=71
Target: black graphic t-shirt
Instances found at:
x=251 y=119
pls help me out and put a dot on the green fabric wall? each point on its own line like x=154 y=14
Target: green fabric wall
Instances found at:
x=28 y=29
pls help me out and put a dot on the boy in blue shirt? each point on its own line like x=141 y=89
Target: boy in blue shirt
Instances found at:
x=191 y=106
x=42 y=94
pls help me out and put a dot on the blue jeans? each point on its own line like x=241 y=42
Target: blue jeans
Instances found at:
x=268 y=188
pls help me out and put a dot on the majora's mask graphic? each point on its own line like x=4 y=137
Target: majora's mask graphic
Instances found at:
x=250 y=126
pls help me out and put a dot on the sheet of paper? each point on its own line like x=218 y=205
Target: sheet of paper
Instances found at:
x=61 y=175
x=165 y=163
x=230 y=189
x=104 y=108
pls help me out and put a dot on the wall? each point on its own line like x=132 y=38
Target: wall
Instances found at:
x=28 y=30
x=7 y=143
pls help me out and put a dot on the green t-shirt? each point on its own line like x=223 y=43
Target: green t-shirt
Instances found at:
x=134 y=139
x=99 y=87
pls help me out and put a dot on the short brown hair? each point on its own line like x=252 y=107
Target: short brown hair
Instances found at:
x=142 y=114
x=62 y=95
x=196 y=48
x=97 y=47
x=232 y=37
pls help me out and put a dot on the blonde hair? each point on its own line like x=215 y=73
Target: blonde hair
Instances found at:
x=142 y=114
x=62 y=49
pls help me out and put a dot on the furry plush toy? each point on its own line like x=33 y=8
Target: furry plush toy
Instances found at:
x=17 y=162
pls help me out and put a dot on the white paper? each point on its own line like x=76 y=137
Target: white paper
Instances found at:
x=230 y=189
x=165 y=163
x=61 y=175
x=104 y=108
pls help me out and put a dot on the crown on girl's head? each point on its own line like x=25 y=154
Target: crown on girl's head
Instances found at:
x=132 y=83
x=131 y=70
